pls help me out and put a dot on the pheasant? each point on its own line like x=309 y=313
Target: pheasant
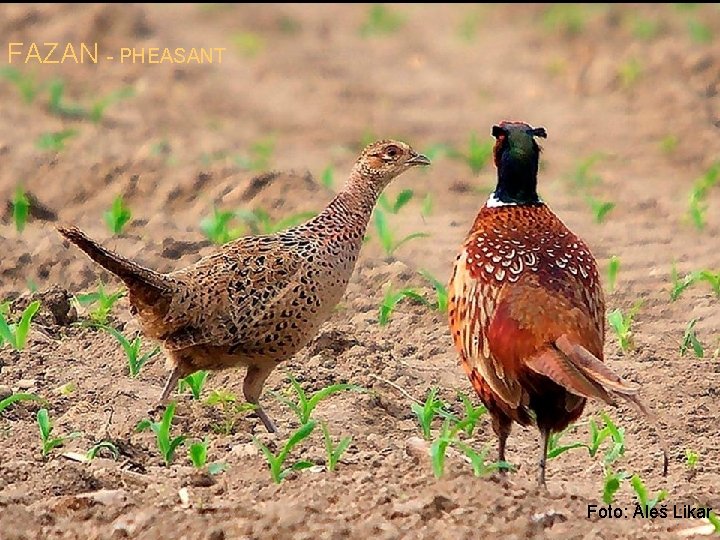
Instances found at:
x=260 y=299
x=526 y=307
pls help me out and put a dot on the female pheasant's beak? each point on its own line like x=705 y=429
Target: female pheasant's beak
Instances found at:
x=419 y=159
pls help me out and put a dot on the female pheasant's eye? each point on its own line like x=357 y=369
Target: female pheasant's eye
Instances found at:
x=392 y=151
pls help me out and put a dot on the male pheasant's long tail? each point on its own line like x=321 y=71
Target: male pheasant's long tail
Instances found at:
x=144 y=283
x=577 y=370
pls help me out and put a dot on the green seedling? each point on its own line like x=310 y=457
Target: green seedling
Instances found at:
x=598 y=436
x=691 y=459
x=556 y=449
x=20 y=209
x=381 y=20
x=107 y=446
x=197 y=452
x=59 y=106
x=611 y=485
x=304 y=406
x=194 y=382
x=568 y=19
x=333 y=452
x=393 y=207
x=427 y=206
x=472 y=414
x=645 y=29
x=278 y=470
x=16 y=334
x=477 y=155
x=600 y=209
x=97 y=109
x=54 y=141
x=697 y=210
x=714 y=521
x=699 y=32
x=646 y=501
x=680 y=285
x=698 y=205
x=441 y=293
x=327 y=178
x=426 y=412
x=118 y=216
x=102 y=301
x=622 y=325
x=217 y=227
x=14 y=398
x=260 y=222
x=25 y=83
x=477 y=460
x=613 y=269
x=669 y=143
x=393 y=298
x=629 y=72
x=66 y=389
x=387 y=239
x=583 y=175
x=166 y=445
x=249 y=44
x=48 y=442
x=259 y=157
x=232 y=411
x=469 y=25
x=690 y=340
x=132 y=350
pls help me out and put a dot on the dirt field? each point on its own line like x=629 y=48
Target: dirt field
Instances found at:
x=637 y=86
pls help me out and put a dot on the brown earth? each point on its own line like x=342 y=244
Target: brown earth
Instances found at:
x=306 y=77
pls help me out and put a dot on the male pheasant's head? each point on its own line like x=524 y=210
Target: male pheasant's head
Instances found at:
x=382 y=161
x=517 y=156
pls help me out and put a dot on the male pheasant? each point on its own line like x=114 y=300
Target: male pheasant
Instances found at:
x=258 y=300
x=526 y=307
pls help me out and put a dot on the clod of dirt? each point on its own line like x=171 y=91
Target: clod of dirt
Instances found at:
x=56 y=308
x=332 y=341
x=200 y=479
x=417 y=448
x=174 y=249
x=5 y=391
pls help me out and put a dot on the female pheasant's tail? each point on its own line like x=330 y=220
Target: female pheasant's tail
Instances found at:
x=144 y=283
x=577 y=370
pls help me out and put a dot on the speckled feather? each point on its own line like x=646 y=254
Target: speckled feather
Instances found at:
x=258 y=300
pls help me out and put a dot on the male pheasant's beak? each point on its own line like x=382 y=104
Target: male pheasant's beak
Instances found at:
x=419 y=159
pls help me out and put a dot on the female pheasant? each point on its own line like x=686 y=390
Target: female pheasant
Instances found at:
x=260 y=299
x=526 y=307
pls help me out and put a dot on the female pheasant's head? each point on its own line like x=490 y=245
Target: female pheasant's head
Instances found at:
x=382 y=161
x=517 y=156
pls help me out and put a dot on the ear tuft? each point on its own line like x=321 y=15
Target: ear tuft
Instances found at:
x=539 y=132
x=497 y=131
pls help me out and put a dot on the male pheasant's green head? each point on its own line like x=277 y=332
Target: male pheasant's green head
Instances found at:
x=517 y=156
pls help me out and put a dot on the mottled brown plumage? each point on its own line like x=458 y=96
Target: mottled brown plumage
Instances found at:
x=526 y=306
x=258 y=300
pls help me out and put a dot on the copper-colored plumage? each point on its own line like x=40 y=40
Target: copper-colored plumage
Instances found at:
x=258 y=300
x=526 y=306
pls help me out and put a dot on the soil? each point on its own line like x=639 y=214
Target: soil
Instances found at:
x=305 y=77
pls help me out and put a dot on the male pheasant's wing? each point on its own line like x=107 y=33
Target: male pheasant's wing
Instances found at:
x=230 y=292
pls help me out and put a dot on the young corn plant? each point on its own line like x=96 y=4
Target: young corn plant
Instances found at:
x=20 y=209
x=102 y=303
x=118 y=216
x=441 y=293
x=629 y=72
x=248 y=44
x=333 y=452
x=197 y=452
x=691 y=341
x=610 y=431
x=680 y=285
x=260 y=222
x=132 y=350
x=669 y=143
x=305 y=405
x=477 y=155
x=327 y=177
x=106 y=446
x=54 y=141
x=600 y=209
x=14 y=398
x=613 y=269
x=698 y=205
x=645 y=499
x=216 y=227
x=691 y=459
x=47 y=440
x=167 y=445
x=98 y=107
x=393 y=207
x=426 y=412
x=714 y=521
x=259 y=156
x=622 y=325
x=15 y=334
x=387 y=239
x=58 y=104
x=426 y=208
x=231 y=409
x=583 y=175
x=25 y=83
x=472 y=414
x=381 y=20
x=611 y=485
x=194 y=382
x=393 y=298
x=699 y=32
x=278 y=469
x=555 y=448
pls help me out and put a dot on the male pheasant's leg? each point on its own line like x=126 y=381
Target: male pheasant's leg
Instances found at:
x=501 y=426
x=252 y=388
x=545 y=439
x=172 y=382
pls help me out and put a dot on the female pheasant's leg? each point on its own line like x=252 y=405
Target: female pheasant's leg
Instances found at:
x=172 y=382
x=545 y=439
x=252 y=388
